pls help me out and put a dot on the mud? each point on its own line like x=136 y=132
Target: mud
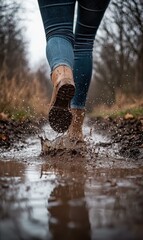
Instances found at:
x=96 y=195
x=127 y=133
x=14 y=131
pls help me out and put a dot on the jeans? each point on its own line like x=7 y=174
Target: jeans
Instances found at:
x=73 y=49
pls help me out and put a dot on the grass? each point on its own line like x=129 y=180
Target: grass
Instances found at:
x=23 y=99
x=21 y=114
x=120 y=109
x=135 y=112
x=26 y=98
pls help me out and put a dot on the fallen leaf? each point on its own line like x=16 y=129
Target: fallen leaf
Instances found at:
x=128 y=116
x=3 y=116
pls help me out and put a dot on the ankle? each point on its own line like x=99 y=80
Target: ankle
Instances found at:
x=60 y=73
x=75 y=129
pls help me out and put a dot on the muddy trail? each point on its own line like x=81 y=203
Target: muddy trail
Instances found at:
x=68 y=196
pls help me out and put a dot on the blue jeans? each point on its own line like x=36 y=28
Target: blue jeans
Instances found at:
x=73 y=49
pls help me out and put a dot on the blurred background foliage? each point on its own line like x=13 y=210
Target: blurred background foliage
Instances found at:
x=21 y=89
x=118 y=56
x=117 y=68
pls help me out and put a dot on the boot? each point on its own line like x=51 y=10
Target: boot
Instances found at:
x=75 y=129
x=72 y=140
x=60 y=116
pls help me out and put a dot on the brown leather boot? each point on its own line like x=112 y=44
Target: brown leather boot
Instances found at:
x=75 y=129
x=60 y=116
x=72 y=140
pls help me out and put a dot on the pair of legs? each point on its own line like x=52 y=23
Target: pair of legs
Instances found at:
x=72 y=48
x=68 y=48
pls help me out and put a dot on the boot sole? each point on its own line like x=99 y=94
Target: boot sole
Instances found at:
x=59 y=115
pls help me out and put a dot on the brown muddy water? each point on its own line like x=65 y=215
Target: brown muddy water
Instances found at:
x=96 y=196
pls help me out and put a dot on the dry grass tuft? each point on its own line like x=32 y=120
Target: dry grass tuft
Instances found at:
x=124 y=104
x=23 y=98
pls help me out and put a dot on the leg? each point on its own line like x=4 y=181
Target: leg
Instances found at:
x=89 y=16
x=57 y=18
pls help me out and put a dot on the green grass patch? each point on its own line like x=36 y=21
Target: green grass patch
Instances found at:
x=115 y=112
x=20 y=114
x=136 y=112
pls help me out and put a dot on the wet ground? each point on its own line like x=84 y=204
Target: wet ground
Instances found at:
x=98 y=195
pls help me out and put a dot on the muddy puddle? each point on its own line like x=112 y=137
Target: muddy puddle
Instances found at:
x=96 y=196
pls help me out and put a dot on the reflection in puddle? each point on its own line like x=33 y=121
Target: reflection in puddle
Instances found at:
x=69 y=219
x=23 y=204
x=69 y=198
x=63 y=200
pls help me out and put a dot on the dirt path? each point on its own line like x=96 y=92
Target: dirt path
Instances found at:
x=96 y=196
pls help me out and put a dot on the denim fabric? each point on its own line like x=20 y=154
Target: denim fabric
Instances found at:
x=72 y=49
x=59 y=51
